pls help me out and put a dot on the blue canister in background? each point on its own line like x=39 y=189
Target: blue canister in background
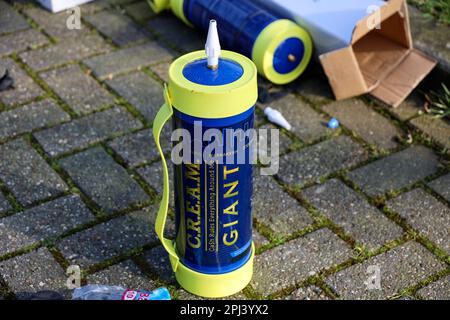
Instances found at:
x=280 y=48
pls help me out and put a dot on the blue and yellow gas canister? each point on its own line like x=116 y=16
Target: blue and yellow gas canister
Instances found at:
x=212 y=254
x=280 y=48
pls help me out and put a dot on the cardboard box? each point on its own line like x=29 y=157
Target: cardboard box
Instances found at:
x=361 y=52
x=59 y=5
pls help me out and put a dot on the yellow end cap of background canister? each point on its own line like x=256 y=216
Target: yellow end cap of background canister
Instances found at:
x=212 y=102
x=267 y=43
x=176 y=6
x=178 y=9
x=159 y=5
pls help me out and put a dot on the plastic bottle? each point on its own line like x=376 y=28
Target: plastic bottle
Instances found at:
x=103 y=292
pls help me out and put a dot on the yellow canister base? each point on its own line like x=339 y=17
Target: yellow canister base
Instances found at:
x=267 y=43
x=215 y=285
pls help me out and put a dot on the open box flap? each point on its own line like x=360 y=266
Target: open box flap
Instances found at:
x=397 y=29
x=401 y=82
x=343 y=73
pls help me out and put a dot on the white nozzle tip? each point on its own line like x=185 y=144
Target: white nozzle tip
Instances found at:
x=212 y=46
x=276 y=117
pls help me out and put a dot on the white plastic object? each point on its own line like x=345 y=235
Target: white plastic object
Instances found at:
x=276 y=117
x=59 y=5
x=212 y=46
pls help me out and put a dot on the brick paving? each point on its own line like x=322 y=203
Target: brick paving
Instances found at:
x=31 y=117
x=25 y=88
x=141 y=91
x=82 y=93
x=87 y=130
x=28 y=227
x=27 y=174
x=442 y=186
x=65 y=51
x=425 y=214
x=353 y=213
x=366 y=122
x=400 y=268
x=80 y=177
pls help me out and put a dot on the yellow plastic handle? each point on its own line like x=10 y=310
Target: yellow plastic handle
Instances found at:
x=164 y=114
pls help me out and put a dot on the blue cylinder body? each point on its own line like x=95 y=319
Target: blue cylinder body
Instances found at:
x=213 y=198
x=240 y=22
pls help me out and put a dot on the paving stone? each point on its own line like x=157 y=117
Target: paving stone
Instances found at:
x=311 y=163
x=65 y=51
x=353 y=213
x=103 y=180
x=174 y=31
x=162 y=71
x=409 y=108
x=399 y=268
x=315 y=88
x=437 y=129
x=425 y=214
x=308 y=293
x=120 y=2
x=275 y=208
x=118 y=27
x=139 y=148
x=26 y=174
x=396 y=171
x=158 y=260
x=81 y=92
x=11 y=20
x=109 y=239
x=442 y=186
x=94 y=6
x=41 y=222
x=55 y=24
x=139 y=11
x=144 y=93
x=439 y=290
x=258 y=239
x=153 y=175
x=265 y=144
x=21 y=41
x=125 y=274
x=306 y=123
x=31 y=117
x=24 y=89
x=4 y=204
x=83 y=131
x=368 y=124
x=296 y=260
x=124 y=60
x=430 y=37
x=33 y=272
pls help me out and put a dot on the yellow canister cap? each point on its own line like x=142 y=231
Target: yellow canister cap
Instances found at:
x=270 y=39
x=212 y=102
